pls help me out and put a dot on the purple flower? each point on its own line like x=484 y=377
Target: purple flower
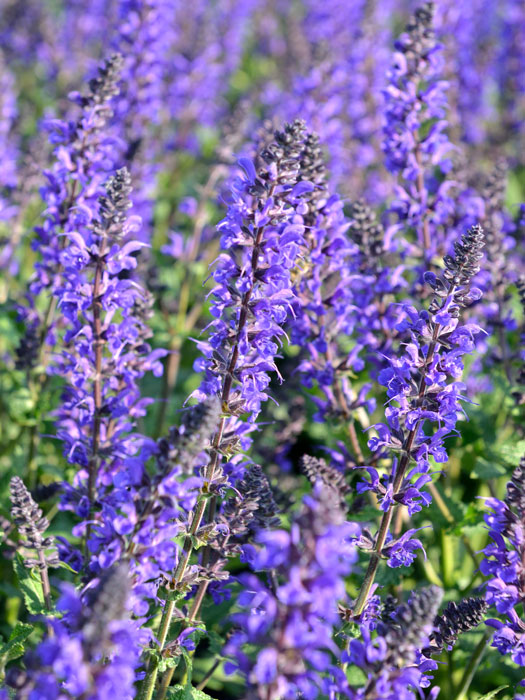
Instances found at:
x=415 y=98
x=252 y=298
x=503 y=565
x=291 y=627
x=94 y=649
x=422 y=385
x=391 y=655
x=402 y=552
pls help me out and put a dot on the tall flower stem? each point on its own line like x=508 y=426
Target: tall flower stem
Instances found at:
x=472 y=666
x=44 y=578
x=386 y=520
x=451 y=293
x=98 y=343
x=215 y=456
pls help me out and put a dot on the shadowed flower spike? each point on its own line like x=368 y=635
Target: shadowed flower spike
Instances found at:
x=32 y=525
x=414 y=99
x=106 y=355
x=455 y=619
x=329 y=289
x=93 y=650
x=198 y=424
x=367 y=233
x=422 y=385
x=242 y=517
x=82 y=150
x=503 y=565
x=83 y=155
x=318 y=470
x=291 y=625
x=423 y=389
x=391 y=657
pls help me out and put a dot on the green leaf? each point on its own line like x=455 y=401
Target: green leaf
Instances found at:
x=471 y=523
x=65 y=565
x=21 y=632
x=356 y=677
x=368 y=513
x=483 y=469
x=168 y=662
x=390 y=577
x=492 y=693
x=215 y=643
x=15 y=647
x=179 y=692
x=512 y=452
x=15 y=652
x=30 y=586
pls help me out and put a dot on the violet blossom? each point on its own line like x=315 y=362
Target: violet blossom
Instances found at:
x=291 y=625
x=416 y=144
x=503 y=566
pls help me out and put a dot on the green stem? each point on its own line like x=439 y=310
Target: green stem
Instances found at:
x=150 y=680
x=384 y=526
x=447 y=559
x=215 y=458
x=472 y=666
x=166 y=682
x=209 y=673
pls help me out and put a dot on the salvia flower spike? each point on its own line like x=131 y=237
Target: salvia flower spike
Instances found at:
x=32 y=526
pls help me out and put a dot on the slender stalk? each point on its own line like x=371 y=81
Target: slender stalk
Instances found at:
x=384 y=526
x=472 y=666
x=347 y=414
x=209 y=674
x=445 y=511
x=165 y=683
x=197 y=601
x=98 y=344
x=447 y=559
x=215 y=457
x=150 y=680
x=44 y=577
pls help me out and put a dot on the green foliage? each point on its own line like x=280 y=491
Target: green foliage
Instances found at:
x=493 y=693
x=30 y=586
x=485 y=469
x=180 y=692
x=15 y=646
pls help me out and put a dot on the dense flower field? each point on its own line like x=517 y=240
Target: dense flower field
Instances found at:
x=262 y=378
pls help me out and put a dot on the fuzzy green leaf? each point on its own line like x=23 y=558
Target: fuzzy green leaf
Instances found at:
x=168 y=662
x=179 y=692
x=15 y=647
x=493 y=693
x=30 y=586
x=215 y=643
x=512 y=452
x=485 y=469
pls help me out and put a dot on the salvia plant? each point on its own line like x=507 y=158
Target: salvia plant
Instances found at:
x=262 y=378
